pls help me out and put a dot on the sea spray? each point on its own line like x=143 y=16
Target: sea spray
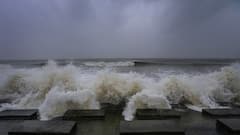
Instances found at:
x=53 y=89
x=59 y=100
x=145 y=99
x=112 y=87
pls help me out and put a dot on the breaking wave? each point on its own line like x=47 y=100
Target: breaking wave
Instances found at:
x=54 y=89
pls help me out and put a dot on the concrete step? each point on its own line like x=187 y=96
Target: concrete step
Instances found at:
x=222 y=112
x=201 y=131
x=178 y=107
x=7 y=125
x=113 y=107
x=84 y=114
x=19 y=114
x=144 y=114
x=163 y=127
x=228 y=126
x=33 y=127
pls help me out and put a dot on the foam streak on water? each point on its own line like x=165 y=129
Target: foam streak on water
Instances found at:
x=54 y=89
x=109 y=64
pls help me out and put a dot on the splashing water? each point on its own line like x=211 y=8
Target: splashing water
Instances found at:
x=54 y=89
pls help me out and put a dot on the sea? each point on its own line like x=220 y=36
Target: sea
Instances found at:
x=55 y=86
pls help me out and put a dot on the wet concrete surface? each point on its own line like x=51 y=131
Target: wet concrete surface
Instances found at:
x=84 y=114
x=163 y=127
x=204 y=130
x=229 y=126
x=147 y=114
x=8 y=125
x=19 y=114
x=193 y=123
x=222 y=112
x=35 y=127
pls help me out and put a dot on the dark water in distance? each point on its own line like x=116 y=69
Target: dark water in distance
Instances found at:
x=147 y=66
x=138 y=61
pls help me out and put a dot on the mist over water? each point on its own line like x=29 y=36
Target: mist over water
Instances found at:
x=54 y=88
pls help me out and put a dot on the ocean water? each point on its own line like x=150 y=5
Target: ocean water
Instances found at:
x=56 y=86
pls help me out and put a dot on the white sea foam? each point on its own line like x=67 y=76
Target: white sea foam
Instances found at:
x=145 y=99
x=53 y=89
x=58 y=100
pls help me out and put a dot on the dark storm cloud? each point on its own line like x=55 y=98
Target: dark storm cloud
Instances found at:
x=119 y=28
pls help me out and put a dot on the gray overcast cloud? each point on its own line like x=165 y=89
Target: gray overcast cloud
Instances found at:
x=41 y=29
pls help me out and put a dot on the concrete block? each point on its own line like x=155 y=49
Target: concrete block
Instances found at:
x=18 y=115
x=33 y=127
x=228 y=126
x=144 y=114
x=163 y=127
x=222 y=112
x=84 y=114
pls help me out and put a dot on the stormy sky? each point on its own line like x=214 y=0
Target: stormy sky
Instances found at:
x=51 y=29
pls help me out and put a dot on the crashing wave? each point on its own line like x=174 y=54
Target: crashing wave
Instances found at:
x=53 y=89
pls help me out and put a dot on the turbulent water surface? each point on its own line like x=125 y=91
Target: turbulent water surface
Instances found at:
x=56 y=86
